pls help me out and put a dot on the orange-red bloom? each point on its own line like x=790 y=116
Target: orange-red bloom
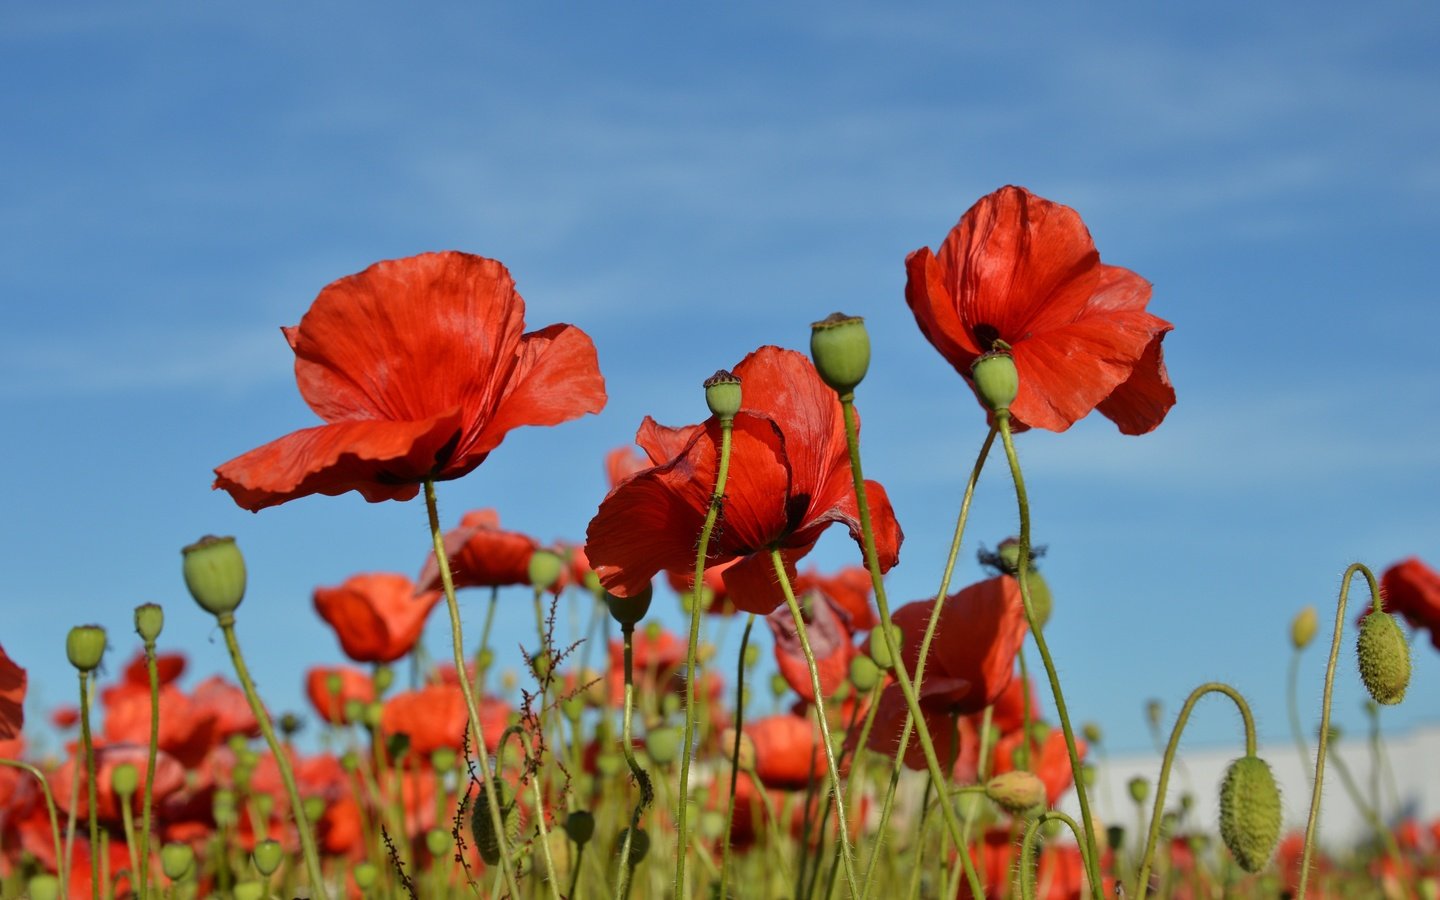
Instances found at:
x=1412 y=589
x=377 y=617
x=788 y=752
x=419 y=367
x=435 y=717
x=789 y=480
x=353 y=683
x=1023 y=270
x=848 y=589
x=482 y=554
x=829 y=642
x=12 y=697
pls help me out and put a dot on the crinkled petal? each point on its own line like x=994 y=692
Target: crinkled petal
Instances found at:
x=883 y=524
x=783 y=385
x=381 y=460
x=752 y=584
x=936 y=311
x=1067 y=372
x=663 y=443
x=12 y=697
x=1141 y=402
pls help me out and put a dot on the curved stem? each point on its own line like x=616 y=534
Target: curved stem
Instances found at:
x=691 y=676
x=54 y=817
x=1142 y=880
x=1091 y=853
x=92 y=814
x=152 y=668
x=1324 y=740
x=647 y=792
x=735 y=754
x=1292 y=676
x=1027 y=848
x=847 y=854
x=226 y=622
x=477 y=730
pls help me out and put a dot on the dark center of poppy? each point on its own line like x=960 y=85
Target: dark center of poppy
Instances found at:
x=986 y=335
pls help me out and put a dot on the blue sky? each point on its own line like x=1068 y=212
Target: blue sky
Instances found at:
x=687 y=184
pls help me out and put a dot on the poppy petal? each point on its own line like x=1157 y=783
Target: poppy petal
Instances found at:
x=663 y=443
x=936 y=311
x=1141 y=402
x=12 y=697
x=752 y=585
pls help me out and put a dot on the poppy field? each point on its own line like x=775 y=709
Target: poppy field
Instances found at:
x=899 y=750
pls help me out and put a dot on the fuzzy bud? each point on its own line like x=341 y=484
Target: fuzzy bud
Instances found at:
x=840 y=348
x=1092 y=733
x=1303 y=627
x=879 y=652
x=722 y=395
x=1250 y=812
x=482 y=826
x=85 y=645
x=1016 y=791
x=996 y=380
x=149 y=620
x=629 y=610
x=215 y=574
x=437 y=842
x=366 y=874
x=1139 y=789
x=1384 y=658
x=546 y=567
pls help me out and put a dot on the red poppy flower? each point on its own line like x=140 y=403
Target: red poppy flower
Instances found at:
x=971 y=663
x=188 y=728
x=789 y=480
x=849 y=589
x=419 y=368
x=435 y=717
x=621 y=463
x=1023 y=270
x=12 y=697
x=1412 y=589
x=714 y=598
x=354 y=685
x=788 y=752
x=168 y=668
x=1059 y=875
x=481 y=554
x=829 y=642
x=377 y=617
x=169 y=777
x=227 y=701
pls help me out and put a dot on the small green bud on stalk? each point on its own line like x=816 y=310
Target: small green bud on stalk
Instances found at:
x=249 y=890
x=1153 y=710
x=712 y=824
x=373 y=712
x=125 y=779
x=1092 y=733
x=580 y=826
x=663 y=745
x=1041 y=601
x=314 y=808
x=1250 y=812
x=840 y=349
x=752 y=656
x=1384 y=658
x=437 y=842
x=1303 y=627
x=546 y=567
x=176 y=860
x=366 y=874
x=443 y=758
x=629 y=610
x=1139 y=789
x=1016 y=791
x=864 y=674
x=149 y=621
x=85 y=646
x=352 y=711
x=778 y=685
x=215 y=574
x=290 y=725
x=722 y=395
x=383 y=677
x=996 y=380
x=880 y=652
x=268 y=856
x=43 y=887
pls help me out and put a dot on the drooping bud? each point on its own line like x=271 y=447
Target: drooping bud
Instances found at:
x=996 y=380
x=125 y=778
x=1250 y=812
x=722 y=394
x=1303 y=627
x=1384 y=658
x=1016 y=791
x=864 y=674
x=267 y=856
x=85 y=645
x=149 y=620
x=840 y=349
x=176 y=860
x=629 y=610
x=482 y=826
x=215 y=574
x=546 y=567
x=639 y=844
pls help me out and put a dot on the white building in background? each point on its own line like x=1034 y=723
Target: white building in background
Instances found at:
x=1407 y=778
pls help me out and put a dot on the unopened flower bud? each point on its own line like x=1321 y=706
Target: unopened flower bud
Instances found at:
x=840 y=348
x=314 y=808
x=1041 y=601
x=125 y=778
x=722 y=394
x=268 y=855
x=176 y=860
x=366 y=874
x=352 y=710
x=149 y=620
x=1153 y=710
x=864 y=674
x=383 y=677
x=1250 y=812
x=248 y=890
x=1016 y=791
x=996 y=380
x=437 y=842
x=1139 y=789
x=778 y=685
x=752 y=656
x=629 y=610
x=746 y=758
x=580 y=826
x=879 y=651
x=1303 y=627
x=1092 y=733
x=215 y=574
x=1384 y=658
x=43 y=887
x=639 y=845
x=712 y=824
x=482 y=825
x=443 y=758
x=663 y=745
x=546 y=567
x=85 y=645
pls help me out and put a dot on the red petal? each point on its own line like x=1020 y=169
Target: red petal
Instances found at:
x=662 y=443
x=752 y=584
x=622 y=462
x=829 y=642
x=1143 y=400
x=12 y=697
x=481 y=554
x=378 y=617
x=936 y=311
x=381 y=460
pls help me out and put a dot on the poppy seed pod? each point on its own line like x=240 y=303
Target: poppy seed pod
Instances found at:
x=124 y=778
x=722 y=394
x=1250 y=812
x=629 y=610
x=85 y=645
x=149 y=621
x=1303 y=627
x=1384 y=658
x=267 y=856
x=580 y=826
x=545 y=568
x=864 y=674
x=437 y=842
x=840 y=349
x=43 y=887
x=215 y=574
x=996 y=380
x=367 y=873
x=663 y=745
x=1139 y=789
x=1016 y=791
x=176 y=860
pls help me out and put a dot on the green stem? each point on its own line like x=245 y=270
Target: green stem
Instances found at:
x=1291 y=701
x=477 y=730
x=127 y=821
x=226 y=621
x=882 y=603
x=847 y=855
x=691 y=675
x=642 y=778
x=1027 y=848
x=1091 y=853
x=735 y=754
x=92 y=812
x=54 y=818
x=1324 y=740
x=1370 y=815
x=153 y=669
x=1142 y=880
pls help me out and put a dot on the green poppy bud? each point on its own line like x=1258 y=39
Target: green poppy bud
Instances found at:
x=580 y=826
x=176 y=860
x=264 y=805
x=443 y=758
x=352 y=710
x=268 y=855
x=1250 y=812
x=752 y=656
x=43 y=887
x=1153 y=710
x=840 y=348
x=437 y=842
x=1041 y=602
x=1092 y=733
x=573 y=707
x=485 y=659
x=712 y=824
x=996 y=380
x=372 y=714
x=85 y=645
x=879 y=652
x=290 y=725
x=546 y=567
x=482 y=826
x=1016 y=791
x=314 y=808
x=663 y=745
x=248 y=890
x=1088 y=775
x=1303 y=627
x=366 y=874
x=1139 y=789
x=722 y=394
x=149 y=620
x=669 y=705
x=383 y=677
x=215 y=574
x=629 y=610
x=1384 y=658
x=125 y=778
x=778 y=685
x=864 y=674
x=639 y=845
